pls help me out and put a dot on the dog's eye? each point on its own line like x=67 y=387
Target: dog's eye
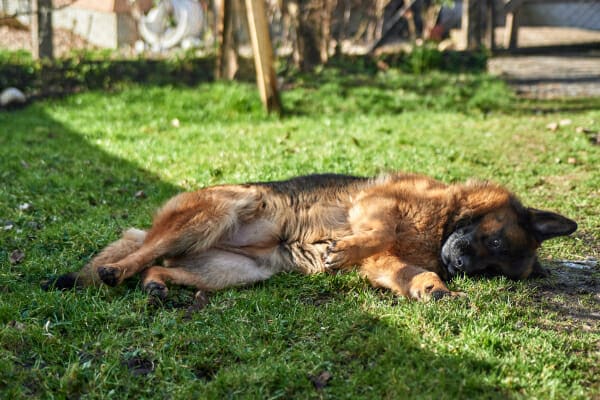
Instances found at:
x=495 y=243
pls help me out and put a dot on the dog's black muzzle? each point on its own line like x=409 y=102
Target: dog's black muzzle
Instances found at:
x=458 y=251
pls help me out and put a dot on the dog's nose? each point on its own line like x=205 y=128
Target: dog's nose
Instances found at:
x=462 y=263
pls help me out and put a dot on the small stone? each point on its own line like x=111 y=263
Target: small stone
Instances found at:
x=565 y=122
x=25 y=207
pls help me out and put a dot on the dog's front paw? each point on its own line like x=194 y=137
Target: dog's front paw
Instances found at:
x=109 y=275
x=428 y=286
x=156 y=289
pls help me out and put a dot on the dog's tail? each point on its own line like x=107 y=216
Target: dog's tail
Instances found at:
x=131 y=240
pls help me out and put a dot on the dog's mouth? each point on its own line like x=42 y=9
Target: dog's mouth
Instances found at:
x=452 y=256
x=458 y=254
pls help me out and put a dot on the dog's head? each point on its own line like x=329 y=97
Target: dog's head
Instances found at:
x=502 y=240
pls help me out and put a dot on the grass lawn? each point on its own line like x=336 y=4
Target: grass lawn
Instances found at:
x=77 y=171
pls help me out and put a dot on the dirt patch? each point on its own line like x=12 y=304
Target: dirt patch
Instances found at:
x=572 y=291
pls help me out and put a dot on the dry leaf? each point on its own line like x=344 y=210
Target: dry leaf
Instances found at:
x=16 y=257
x=320 y=381
x=200 y=301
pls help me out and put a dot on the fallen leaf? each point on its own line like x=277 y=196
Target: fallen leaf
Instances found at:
x=200 y=301
x=139 y=365
x=16 y=257
x=16 y=325
x=321 y=380
x=382 y=65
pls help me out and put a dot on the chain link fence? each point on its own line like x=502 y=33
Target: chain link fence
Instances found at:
x=354 y=26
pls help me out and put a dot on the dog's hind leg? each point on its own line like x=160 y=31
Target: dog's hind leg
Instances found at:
x=188 y=223
x=213 y=270
x=131 y=241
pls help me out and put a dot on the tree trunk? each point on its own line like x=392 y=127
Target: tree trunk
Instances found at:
x=262 y=49
x=227 y=57
x=306 y=17
x=41 y=29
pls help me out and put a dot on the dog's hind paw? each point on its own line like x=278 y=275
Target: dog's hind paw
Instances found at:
x=63 y=282
x=109 y=275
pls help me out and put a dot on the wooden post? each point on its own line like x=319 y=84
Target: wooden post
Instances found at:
x=41 y=29
x=263 y=55
x=227 y=57
x=491 y=25
x=471 y=24
x=511 y=30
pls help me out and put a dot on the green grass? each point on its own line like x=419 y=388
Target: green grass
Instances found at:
x=79 y=162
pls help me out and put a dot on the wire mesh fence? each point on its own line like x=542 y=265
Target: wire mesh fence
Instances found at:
x=347 y=26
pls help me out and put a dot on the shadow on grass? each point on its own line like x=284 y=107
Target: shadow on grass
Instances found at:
x=63 y=197
x=328 y=347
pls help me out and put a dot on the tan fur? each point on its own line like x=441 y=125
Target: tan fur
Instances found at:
x=392 y=227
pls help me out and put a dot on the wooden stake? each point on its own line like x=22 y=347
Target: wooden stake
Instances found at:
x=263 y=55
x=227 y=57
x=511 y=30
x=471 y=24
x=41 y=29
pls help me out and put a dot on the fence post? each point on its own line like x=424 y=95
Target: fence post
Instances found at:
x=511 y=30
x=41 y=29
x=227 y=57
x=263 y=55
x=490 y=25
x=471 y=24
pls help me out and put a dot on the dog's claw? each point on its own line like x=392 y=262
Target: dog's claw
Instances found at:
x=441 y=294
x=333 y=257
x=156 y=289
x=109 y=275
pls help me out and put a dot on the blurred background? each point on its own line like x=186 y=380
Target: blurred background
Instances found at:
x=315 y=29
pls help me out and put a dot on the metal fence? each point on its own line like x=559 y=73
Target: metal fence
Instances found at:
x=355 y=26
x=549 y=24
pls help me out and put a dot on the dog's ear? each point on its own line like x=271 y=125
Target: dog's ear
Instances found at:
x=547 y=225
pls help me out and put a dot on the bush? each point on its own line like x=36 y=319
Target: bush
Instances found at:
x=97 y=70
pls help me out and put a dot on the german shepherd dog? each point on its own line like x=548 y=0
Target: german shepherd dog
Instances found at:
x=405 y=232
